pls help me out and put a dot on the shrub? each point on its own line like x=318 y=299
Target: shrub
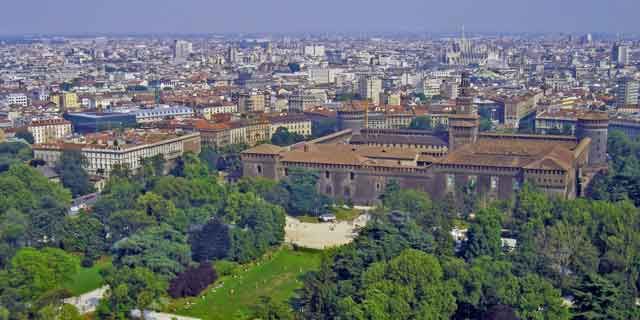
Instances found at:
x=226 y=267
x=192 y=281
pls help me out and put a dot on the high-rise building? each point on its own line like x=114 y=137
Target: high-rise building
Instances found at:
x=181 y=50
x=232 y=55
x=627 y=92
x=369 y=87
x=314 y=51
x=620 y=54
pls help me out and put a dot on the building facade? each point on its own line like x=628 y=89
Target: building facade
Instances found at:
x=45 y=131
x=103 y=155
x=493 y=165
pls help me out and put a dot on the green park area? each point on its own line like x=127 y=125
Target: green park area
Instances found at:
x=88 y=279
x=277 y=275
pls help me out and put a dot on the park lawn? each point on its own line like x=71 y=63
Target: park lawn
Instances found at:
x=278 y=277
x=88 y=279
x=346 y=214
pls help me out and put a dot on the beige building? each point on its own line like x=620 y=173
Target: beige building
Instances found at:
x=209 y=110
x=49 y=130
x=252 y=101
x=103 y=151
x=518 y=107
x=299 y=124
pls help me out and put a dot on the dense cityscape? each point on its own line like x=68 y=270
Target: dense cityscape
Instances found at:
x=353 y=176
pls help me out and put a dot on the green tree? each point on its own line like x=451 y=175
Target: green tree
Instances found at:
x=84 y=234
x=210 y=157
x=598 y=298
x=269 y=190
x=155 y=206
x=304 y=197
x=32 y=272
x=12 y=152
x=189 y=166
x=130 y=288
x=268 y=309
x=409 y=286
x=282 y=137
x=161 y=249
x=483 y=237
x=26 y=136
x=72 y=174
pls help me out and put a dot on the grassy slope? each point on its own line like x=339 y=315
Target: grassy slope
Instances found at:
x=88 y=279
x=277 y=277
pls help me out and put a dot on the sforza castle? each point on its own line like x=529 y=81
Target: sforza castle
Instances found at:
x=356 y=166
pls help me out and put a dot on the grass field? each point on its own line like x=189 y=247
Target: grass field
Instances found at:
x=278 y=277
x=88 y=279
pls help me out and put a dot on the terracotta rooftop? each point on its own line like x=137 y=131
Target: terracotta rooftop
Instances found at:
x=530 y=154
x=428 y=140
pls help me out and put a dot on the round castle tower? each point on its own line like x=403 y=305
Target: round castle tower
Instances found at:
x=594 y=125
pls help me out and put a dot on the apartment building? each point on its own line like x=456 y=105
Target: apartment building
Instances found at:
x=103 y=151
x=49 y=130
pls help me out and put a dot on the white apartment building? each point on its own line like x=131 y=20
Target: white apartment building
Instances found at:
x=49 y=130
x=103 y=155
x=19 y=99
x=162 y=113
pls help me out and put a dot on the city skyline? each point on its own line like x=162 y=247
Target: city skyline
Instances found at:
x=196 y=16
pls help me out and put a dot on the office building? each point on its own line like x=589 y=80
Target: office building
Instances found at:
x=627 y=92
x=105 y=150
x=182 y=50
x=369 y=88
x=620 y=54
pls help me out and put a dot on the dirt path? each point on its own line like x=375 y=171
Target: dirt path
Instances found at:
x=322 y=235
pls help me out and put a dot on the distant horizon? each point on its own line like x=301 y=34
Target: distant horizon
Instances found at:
x=314 y=34
x=28 y=17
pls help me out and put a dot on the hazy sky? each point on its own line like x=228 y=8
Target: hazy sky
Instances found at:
x=212 y=16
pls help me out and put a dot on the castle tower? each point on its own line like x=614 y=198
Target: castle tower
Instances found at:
x=594 y=125
x=464 y=124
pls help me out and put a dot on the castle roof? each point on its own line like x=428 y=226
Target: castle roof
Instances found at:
x=529 y=154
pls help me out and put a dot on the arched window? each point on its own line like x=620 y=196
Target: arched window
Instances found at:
x=259 y=169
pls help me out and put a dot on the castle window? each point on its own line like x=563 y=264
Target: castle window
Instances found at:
x=378 y=187
x=259 y=169
x=286 y=172
x=473 y=180
x=450 y=182
x=516 y=185
x=352 y=175
x=327 y=174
